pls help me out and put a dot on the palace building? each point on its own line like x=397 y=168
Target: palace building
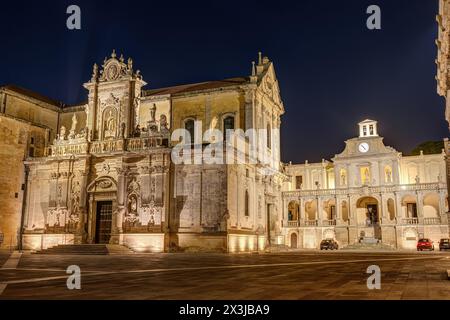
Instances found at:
x=101 y=172
x=369 y=193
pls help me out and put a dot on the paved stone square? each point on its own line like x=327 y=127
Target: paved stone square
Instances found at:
x=300 y=275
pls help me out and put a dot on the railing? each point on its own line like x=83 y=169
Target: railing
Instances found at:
x=411 y=221
x=310 y=223
x=67 y=147
x=431 y=221
x=139 y=144
x=106 y=146
x=329 y=223
x=292 y=224
x=363 y=189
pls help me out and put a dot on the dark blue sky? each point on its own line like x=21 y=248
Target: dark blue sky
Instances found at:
x=332 y=70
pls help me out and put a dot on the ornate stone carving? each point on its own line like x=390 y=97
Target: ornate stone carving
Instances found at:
x=163 y=125
x=104 y=184
x=62 y=134
x=116 y=69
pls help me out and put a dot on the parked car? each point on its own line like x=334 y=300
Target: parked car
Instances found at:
x=444 y=244
x=425 y=244
x=329 y=244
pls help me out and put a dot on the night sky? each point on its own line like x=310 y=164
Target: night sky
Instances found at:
x=333 y=71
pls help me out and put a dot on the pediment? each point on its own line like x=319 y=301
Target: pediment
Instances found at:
x=376 y=148
x=269 y=85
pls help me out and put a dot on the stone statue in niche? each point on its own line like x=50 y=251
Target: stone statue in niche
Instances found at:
x=366 y=176
x=62 y=134
x=153 y=113
x=73 y=128
x=136 y=104
x=132 y=204
x=163 y=124
x=152 y=127
x=110 y=125
x=388 y=175
x=137 y=131
x=343 y=178
x=94 y=73
x=417 y=179
x=76 y=194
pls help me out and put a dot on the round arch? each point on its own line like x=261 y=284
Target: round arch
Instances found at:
x=102 y=184
x=311 y=210
x=409 y=206
x=431 y=205
x=293 y=211
x=293 y=240
x=367 y=210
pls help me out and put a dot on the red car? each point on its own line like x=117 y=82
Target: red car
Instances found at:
x=425 y=244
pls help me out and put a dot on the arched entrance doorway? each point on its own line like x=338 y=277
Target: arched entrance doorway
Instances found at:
x=293 y=211
x=367 y=211
x=368 y=217
x=101 y=222
x=294 y=241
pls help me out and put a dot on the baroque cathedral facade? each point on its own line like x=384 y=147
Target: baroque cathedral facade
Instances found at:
x=103 y=172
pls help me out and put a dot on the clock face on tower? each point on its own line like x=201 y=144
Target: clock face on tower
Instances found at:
x=363 y=147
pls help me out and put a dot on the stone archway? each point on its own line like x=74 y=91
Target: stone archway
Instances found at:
x=293 y=211
x=311 y=210
x=431 y=205
x=409 y=207
x=294 y=241
x=367 y=211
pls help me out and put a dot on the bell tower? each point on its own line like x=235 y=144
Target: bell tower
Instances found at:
x=114 y=99
x=368 y=128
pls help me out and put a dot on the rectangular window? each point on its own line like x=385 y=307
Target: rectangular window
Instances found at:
x=365 y=131
x=372 y=132
x=298 y=182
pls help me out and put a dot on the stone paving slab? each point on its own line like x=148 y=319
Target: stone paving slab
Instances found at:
x=233 y=277
x=4 y=255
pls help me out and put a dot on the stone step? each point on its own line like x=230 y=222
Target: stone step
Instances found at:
x=115 y=249
x=86 y=249
x=368 y=246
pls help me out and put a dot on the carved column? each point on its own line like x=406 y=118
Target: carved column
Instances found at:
x=420 y=207
x=384 y=209
x=121 y=195
x=91 y=220
x=338 y=208
x=398 y=208
x=352 y=219
x=442 y=209
x=319 y=211
x=83 y=203
x=302 y=216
